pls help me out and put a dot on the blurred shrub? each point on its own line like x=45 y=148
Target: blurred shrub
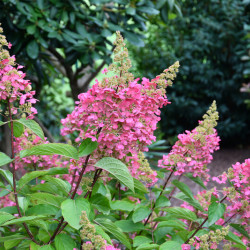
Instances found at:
x=209 y=41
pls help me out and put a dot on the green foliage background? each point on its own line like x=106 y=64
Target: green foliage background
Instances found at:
x=211 y=42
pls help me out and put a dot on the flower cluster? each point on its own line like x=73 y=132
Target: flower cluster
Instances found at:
x=193 y=151
x=238 y=196
x=120 y=113
x=28 y=140
x=210 y=240
x=6 y=201
x=13 y=86
x=89 y=236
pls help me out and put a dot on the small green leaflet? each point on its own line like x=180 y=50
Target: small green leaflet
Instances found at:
x=171 y=245
x=140 y=214
x=101 y=203
x=23 y=219
x=109 y=226
x=122 y=205
x=148 y=246
x=4 y=159
x=162 y=201
x=2 y=123
x=240 y=229
x=12 y=237
x=32 y=125
x=87 y=147
x=139 y=240
x=128 y=226
x=118 y=169
x=5 y=217
x=64 y=242
x=46 y=198
x=35 y=174
x=18 y=129
x=196 y=180
x=100 y=231
x=7 y=175
x=51 y=149
x=72 y=210
x=138 y=185
x=181 y=213
x=176 y=224
x=215 y=212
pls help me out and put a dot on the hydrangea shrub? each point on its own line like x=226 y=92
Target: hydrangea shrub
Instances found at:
x=99 y=191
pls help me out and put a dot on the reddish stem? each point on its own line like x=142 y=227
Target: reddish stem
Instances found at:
x=58 y=230
x=166 y=182
x=14 y=173
x=198 y=229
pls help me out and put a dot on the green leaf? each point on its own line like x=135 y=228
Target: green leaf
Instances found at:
x=12 y=237
x=148 y=10
x=46 y=247
x=43 y=235
x=171 y=245
x=240 y=229
x=32 y=49
x=181 y=213
x=7 y=175
x=23 y=203
x=51 y=149
x=162 y=201
x=134 y=39
x=31 y=29
x=138 y=185
x=130 y=11
x=99 y=231
x=160 y=3
x=87 y=147
x=72 y=210
x=11 y=210
x=110 y=227
x=118 y=170
x=184 y=188
x=62 y=185
x=5 y=217
x=11 y=243
x=18 y=129
x=42 y=209
x=176 y=224
x=192 y=202
x=101 y=203
x=32 y=175
x=4 y=159
x=46 y=198
x=196 y=180
x=64 y=242
x=81 y=29
x=139 y=240
x=140 y=214
x=32 y=125
x=234 y=238
x=122 y=205
x=128 y=226
x=23 y=219
x=215 y=212
x=40 y=4
x=34 y=246
x=148 y=246
x=2 y=123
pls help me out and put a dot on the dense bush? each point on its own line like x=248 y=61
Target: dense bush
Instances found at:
x=98 y=191
x=209 y=41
